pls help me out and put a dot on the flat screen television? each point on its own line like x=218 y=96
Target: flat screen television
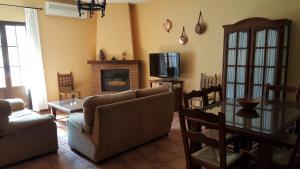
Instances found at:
x=165 y=65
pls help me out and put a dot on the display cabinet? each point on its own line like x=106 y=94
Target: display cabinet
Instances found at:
x=255 y=54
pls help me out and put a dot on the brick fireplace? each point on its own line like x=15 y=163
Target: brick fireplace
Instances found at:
x=114 y=76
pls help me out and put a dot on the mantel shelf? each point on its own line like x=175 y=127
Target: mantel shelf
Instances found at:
x=98 y=62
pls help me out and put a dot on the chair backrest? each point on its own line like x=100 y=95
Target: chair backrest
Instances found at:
x=199 y=94
x=278 y=92
x=209 y=120
x=65 y=82
x=214 y=90
x=207 y=81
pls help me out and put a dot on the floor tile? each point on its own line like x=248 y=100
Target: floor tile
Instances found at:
x=164 y=153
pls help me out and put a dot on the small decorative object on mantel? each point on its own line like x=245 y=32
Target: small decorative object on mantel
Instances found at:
x=114 y=58
x=183 y=38
x=102 y=55
x=167 y=25
x=200 y=27
x=124 y=55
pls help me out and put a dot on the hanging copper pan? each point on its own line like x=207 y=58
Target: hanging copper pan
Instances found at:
x=183 y=38
x=200 y=27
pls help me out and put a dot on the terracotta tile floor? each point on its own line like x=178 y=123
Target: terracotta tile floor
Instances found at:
x=164 y=153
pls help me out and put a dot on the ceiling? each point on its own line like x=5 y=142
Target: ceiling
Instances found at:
x=121 y=1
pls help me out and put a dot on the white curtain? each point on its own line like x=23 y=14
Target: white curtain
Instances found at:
x=33 y=62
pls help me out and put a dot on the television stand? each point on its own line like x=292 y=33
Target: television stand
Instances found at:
x=175 y=85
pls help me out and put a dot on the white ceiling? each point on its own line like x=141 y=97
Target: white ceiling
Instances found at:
x=122 y=1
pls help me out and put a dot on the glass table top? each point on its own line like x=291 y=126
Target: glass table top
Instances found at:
x=267 y=118
x=68 y=105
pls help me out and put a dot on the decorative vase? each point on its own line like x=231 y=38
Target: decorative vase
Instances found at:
x=102 y=55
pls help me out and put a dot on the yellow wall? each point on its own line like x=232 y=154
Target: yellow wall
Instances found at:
x=137 y=29
x=67 y=44
x=114 y=32
x=204 y=53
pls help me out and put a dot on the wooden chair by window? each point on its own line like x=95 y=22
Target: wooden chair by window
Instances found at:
x=66 y=86
x=214 y=155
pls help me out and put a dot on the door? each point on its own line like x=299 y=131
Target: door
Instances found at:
x=264 y=66
x=12 y=57
x=237 y=53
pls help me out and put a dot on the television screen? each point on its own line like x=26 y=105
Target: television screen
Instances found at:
x=165 y=65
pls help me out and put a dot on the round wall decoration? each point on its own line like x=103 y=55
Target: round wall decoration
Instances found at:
x=167 y=25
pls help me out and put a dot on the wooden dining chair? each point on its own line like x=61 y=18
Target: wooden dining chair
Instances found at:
x=193 y=96
x=201 y=95
x=214 y=154
x=216 y=91
x=207 y=81
x=283 y=158
x=66 y=86
x=279 y=92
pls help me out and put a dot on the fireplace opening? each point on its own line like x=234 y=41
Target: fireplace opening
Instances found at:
x=115 y=80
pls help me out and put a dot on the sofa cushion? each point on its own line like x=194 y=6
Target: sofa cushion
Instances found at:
x=90 y=103
x=151 y=91
x=77 y=120
x=16 y=104
x=29 y=120
x=5 y=108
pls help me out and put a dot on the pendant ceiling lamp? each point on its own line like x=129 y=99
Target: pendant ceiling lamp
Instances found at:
x=91 y=6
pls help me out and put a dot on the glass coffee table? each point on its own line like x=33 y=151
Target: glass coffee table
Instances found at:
x=67 y=106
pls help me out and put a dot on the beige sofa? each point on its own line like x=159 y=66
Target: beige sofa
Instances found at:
x=23 y=133
x=114 y=123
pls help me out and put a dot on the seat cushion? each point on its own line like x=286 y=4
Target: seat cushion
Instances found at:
x=16 y=104
x=77 y=120
x=23 y=120
x=214 y=134
x=151 y=91
x=281 y=156
x=286 y=139
x=90 y=103
x=212 y=156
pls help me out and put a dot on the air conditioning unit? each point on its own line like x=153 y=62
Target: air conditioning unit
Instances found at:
x=62 y=9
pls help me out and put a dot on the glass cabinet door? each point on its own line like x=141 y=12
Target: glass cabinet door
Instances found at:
x=255 y=54
x=265 y=60
x=237 y=52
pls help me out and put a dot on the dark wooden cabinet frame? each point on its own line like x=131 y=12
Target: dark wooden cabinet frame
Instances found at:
x=251 y=26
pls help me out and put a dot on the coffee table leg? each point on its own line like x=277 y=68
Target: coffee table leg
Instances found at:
x=53 y=111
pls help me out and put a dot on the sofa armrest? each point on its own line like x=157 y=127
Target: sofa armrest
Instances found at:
x=77 y=120
x=16 y=126
x=16 y=104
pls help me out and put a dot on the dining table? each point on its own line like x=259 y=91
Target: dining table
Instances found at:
x=262 y=124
